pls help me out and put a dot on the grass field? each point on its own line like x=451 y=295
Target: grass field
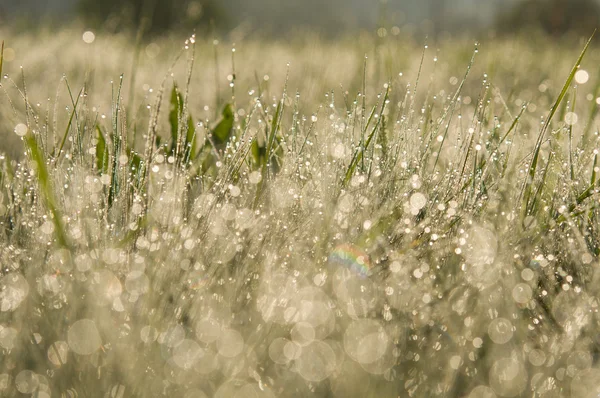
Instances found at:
x=367 y=217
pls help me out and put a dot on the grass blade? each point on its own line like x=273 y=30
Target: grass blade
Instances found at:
x=538 y=145
x=101 y=151
x=1 y=57
x=46 y=187
x=56 y=154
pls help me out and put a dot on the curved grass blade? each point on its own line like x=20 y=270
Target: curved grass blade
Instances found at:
x=532 y=168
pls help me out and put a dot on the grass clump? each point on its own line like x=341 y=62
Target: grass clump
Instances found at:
x=410 y=234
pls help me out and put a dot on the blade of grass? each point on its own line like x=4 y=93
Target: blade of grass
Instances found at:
x=46 y=187
x=359 y=153
x=538 y=145
x=593 y=178
x=1 y=58
x=101 y=152
x=56 y=154
x=570 y=148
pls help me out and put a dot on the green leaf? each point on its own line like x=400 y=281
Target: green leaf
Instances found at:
x=222 y=131
x=175 y=115
x=135 y=161
x=176 y=103
x=46 y=187
x=259 y=154
x=190 y=140
x=101 y=152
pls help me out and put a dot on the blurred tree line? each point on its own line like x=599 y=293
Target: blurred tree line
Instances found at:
x=154 y=16
x=555 y=17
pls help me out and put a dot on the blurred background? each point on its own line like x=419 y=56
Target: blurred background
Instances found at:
x=328 y=17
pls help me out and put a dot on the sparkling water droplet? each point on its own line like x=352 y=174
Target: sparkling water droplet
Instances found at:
x=582 y=76
x=83 y=337
x=187 y=354
x=21 y=129
x=57 y=353
x=500 y=330
x=316 y=362
x=8 y=337
x=26 y=381
x=508 y=377
x=88 y=37
x=230 y=343
x=418 y=201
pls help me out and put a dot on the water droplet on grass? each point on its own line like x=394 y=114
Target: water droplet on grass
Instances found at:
x=582 y=76
x=500 y=330
x=26 y=381
x=508 y=377
x=522 y=293
x=482 y=392
x=230 y=343
x=21 y=129
x=316 y=362
x=8 y=337
x=4 y=381
x=187 y=354
x=88 y=37
x=173 y=336
x=365 y=341
x=276 y=351
x=586 y=384
x=303 y=333
x=57 y=353
x=13 y=290
x=418 y=201
x=83 y=337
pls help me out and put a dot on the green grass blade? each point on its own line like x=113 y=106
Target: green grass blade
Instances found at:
x=555 y=106
x=174 y=113
x=45 y=185
x=1 y=57
x=101 y=151
x=274 y=128
x=222 y=132
x=359 y=153
x=57 y=154
x=593 y=178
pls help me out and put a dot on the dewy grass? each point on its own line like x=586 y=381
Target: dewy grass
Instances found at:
x=371 y=240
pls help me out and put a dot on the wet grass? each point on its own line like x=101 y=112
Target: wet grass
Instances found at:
x=420 y=222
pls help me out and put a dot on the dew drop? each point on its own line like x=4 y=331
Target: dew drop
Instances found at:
x=500 y=330
x=230 y=343
x=57 y=353
x=83 y=337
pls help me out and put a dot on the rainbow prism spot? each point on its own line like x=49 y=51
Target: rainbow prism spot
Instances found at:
x=352 y=258
x=198 y=280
